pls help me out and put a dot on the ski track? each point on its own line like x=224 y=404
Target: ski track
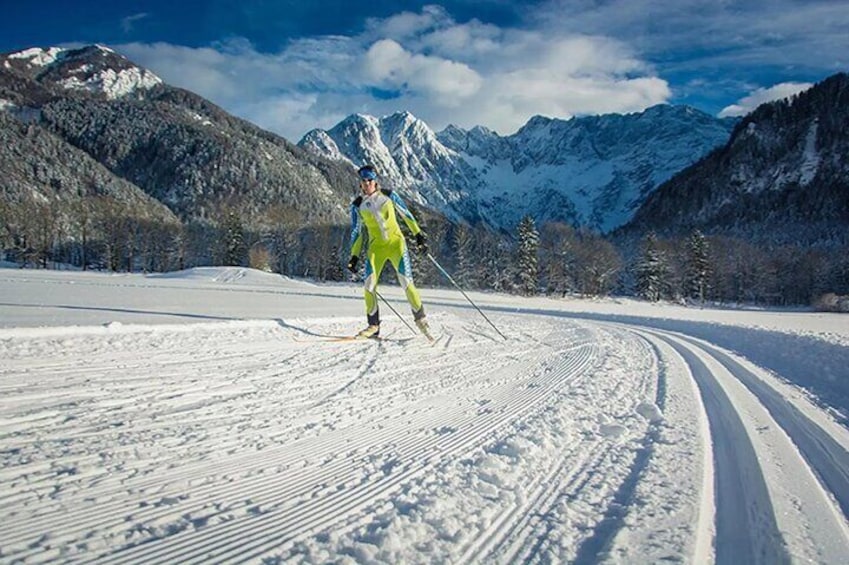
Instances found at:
x=780 y=477
x=575 y=441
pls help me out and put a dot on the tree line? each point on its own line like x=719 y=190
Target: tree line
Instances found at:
x=555 y=259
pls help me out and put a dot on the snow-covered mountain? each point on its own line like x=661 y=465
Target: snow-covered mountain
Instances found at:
x=173 y=145
x=409 y=157
x=95 y=69
x=592 y=171
x=781 y=177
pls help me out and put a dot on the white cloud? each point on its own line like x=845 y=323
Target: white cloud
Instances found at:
x=407 y=25
x=130 y=21
x=444 y=72
x=392 y=66
x=762 y=96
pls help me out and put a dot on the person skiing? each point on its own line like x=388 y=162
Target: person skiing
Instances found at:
x=375 y=210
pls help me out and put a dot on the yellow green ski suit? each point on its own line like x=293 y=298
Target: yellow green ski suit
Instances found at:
x=385 y=242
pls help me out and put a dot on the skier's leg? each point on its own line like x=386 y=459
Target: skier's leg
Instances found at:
x=404 y=269
x=374 y=265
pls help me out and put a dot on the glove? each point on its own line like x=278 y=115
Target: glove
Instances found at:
x=352 y=264
x=421 y=242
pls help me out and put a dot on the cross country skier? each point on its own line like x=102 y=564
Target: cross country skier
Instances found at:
x=375 y=210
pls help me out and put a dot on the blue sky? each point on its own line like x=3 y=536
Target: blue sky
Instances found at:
x=290 y=66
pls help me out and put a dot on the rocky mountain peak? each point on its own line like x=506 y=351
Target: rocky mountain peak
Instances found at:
x=591 y=171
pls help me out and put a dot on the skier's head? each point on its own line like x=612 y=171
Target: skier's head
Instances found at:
x=368 y=179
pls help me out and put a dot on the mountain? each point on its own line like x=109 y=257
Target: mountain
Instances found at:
x=592 y=171
x=173 y=145
x=42 y=163
x=409 y=157
x=783 y=175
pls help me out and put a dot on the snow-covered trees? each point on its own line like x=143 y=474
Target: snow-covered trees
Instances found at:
x=597 y=265
x=107 y=232
x=652 y=270
x=233 y=240
x=526 y=259
x=466 y=265
x=697 y=267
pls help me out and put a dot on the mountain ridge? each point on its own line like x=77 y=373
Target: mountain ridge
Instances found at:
x=593 y=169
x=784 y=174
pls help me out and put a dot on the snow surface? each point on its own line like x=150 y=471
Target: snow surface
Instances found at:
x=114 y=84
x=203 y=416
x=38 y=56
x=810 y=157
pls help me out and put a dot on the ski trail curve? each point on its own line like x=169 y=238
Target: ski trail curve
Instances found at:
x=767 y=457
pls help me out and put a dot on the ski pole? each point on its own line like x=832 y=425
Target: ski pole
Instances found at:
x=396 y=312
x=444 y=272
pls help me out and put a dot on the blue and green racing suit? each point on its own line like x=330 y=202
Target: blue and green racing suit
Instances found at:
x=385 y=243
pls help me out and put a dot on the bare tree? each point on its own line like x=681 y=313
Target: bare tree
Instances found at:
x=597 y=264
x=557 y=253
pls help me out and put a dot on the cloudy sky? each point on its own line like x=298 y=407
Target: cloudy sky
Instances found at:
x=293 y=65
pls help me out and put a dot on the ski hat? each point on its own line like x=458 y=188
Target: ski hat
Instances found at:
x=367 y=172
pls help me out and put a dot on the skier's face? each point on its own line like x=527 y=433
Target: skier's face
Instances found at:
x=368 y=186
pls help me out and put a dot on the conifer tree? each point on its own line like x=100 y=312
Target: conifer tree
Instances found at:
x=527 y=256
x=697 y=268
x=465 y=268
x=234 y=240
x=652 y=270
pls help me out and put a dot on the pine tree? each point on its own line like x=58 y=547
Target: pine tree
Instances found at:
x=234 y=240
x=697 y=268
x=527 y=256
x=465 y=268
x=652 y=270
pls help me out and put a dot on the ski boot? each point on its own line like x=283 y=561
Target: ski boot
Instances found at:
x=371 y=332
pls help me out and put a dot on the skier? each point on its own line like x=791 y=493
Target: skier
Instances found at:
x=375 y=210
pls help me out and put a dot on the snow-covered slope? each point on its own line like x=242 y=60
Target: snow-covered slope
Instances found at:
x=200 y=417
x=782 y=178
x=94 y=69
x=409 y=157
x=591 y=171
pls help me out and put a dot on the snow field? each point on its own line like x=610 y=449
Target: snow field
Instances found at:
x=247 y=441
x=616 y=434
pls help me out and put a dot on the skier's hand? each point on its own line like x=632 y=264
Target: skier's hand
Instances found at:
x=352 y=264
x=421 y=243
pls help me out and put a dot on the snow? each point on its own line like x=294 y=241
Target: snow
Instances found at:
x=114 y=84
x=38 y=56
x=199 y=416
x=810 y=156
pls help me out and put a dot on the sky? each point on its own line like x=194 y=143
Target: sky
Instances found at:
x=291 y=66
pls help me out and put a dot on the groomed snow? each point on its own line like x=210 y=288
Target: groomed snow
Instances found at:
x=204 y=416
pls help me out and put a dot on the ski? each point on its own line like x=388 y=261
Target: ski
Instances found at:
x=352 y=338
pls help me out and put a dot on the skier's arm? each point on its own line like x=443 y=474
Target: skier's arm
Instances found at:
x=356 y=230
x=409 y=219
